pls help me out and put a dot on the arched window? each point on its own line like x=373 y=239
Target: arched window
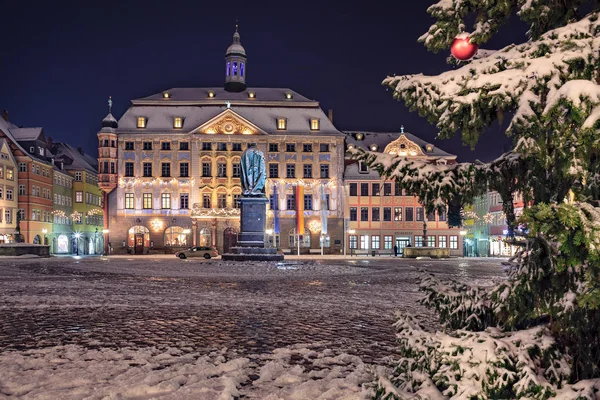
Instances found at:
x=139 y=230
x=205 y=238
x=177 y=236
x=37 y=239
x=234 y=68
x=241 y=69
x=304 y=241
x=228 y=67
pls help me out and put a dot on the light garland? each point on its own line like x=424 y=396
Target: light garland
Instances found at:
x=198 y=212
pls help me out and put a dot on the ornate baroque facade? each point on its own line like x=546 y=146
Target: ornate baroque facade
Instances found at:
x=170 y=170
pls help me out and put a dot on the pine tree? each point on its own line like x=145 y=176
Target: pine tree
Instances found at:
x=549 y=85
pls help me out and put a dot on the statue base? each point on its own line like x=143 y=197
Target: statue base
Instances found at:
x=251 y=239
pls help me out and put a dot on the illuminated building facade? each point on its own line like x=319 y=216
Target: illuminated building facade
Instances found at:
x=379 y=214
x=170 y=172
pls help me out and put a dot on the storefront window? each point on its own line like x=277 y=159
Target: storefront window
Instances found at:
x=177 y=236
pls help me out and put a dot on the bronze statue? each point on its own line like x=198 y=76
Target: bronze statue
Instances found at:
x=254 y=173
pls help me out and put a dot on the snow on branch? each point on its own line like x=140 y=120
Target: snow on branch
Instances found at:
x=517 y=79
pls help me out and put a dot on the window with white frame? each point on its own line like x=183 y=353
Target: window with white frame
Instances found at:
x=454 y=242
x=442 y=241
x=375 y=242
x=364 y=241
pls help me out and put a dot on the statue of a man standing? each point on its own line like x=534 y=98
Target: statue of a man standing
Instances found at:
x=254 y=171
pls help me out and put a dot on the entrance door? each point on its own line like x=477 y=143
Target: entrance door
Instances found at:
x=139 y=243
x=402 y=243
x=229 y=239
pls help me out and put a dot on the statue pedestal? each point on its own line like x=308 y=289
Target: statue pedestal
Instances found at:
x=251 y=240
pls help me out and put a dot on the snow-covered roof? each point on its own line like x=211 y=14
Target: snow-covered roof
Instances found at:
x=160 y=119
x=8 y=128
x=200 y=96
x=382 y=139
x=23 y=134
x=80 y=161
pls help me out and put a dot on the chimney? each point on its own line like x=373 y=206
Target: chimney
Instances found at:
x=5 y=115
x=330 y=115
x=80 y=150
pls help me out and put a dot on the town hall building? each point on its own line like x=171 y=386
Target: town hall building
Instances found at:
x=170 y=166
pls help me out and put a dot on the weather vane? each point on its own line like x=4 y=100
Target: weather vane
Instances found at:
x=109 y=104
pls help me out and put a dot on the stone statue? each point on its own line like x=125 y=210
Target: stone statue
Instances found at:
x=254 y=172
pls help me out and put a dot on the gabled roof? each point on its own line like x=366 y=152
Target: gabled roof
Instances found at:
x=80 y=161
x=382 y=139
x=4 y=142
x=7 y=128
x=26 y=134
x=160 y=119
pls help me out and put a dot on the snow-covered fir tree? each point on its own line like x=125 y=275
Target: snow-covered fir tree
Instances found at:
x=538 y=334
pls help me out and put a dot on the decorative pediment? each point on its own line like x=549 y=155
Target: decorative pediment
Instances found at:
x=228 y=123
x=403 y=147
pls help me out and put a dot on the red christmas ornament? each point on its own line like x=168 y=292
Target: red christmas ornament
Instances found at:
x=462 y=49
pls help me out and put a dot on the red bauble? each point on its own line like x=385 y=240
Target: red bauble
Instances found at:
x=462 y=49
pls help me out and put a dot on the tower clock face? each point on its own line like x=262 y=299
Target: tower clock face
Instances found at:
x=228 y=127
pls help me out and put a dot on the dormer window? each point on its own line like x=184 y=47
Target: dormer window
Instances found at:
x=166 y=95
x=374 y=147
x=211 y=94
x=252 y=95
x=429 y=148
x=288 y=95
x=178 y=123
x=32 y=149
x=281 y=123
x=141 y=122
x=359 y=136
x=314 y=124
x=362 y=167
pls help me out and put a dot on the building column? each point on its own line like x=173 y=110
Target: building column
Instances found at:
x=214 y=233
x=194 y=232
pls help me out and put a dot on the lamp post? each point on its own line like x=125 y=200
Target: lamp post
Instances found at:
x=77 y=236
x=463 y=234
x=106 y=247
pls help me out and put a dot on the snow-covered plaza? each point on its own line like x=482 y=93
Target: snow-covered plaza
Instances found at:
x=159 y=327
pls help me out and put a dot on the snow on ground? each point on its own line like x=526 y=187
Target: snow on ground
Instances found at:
x=74 y=372
x=159 y=327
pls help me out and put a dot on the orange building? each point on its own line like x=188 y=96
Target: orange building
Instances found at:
x=379 y=215
x=35 y=177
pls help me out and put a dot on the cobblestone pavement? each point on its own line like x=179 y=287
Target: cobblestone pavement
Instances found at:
x=346 y=305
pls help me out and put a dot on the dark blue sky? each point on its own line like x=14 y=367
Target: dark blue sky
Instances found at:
x=60 y=60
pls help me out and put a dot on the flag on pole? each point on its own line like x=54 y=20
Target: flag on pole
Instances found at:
x=300 y=209
x=275 y=210
x=323 y=210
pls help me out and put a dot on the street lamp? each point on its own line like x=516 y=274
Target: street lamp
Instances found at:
x=77 y=236
x=462 y=234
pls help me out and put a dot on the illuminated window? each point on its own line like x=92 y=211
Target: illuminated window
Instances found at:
x=211 y=94
x=178 y=122
x=288 y=95
x=454 y=242
x=165 y=202
x=141 y=122
x=147 y=201
x=375 y=242
x=314 y=124
x=10 y=174
x=252 y=95
x=281 y=123
x=166 y=95
x=397 y=213
x=129 y=201
x=78 y=197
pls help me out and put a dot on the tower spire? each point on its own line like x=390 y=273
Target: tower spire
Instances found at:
x=235 y=64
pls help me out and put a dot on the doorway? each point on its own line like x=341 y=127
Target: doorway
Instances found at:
x=229 y=239
x=139 y=243
x=402 y=242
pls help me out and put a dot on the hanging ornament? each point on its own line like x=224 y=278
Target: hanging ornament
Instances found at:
x=462 y=49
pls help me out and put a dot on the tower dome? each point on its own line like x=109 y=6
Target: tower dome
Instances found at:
x=235 y=65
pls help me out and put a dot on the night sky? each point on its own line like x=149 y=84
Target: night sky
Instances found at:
x=59 y=61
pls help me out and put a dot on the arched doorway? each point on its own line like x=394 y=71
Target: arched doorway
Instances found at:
x=62 y=244
x=205 y=239
x=229 y=239
x=37 y=239
x=139 y=239
x=91 y=247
